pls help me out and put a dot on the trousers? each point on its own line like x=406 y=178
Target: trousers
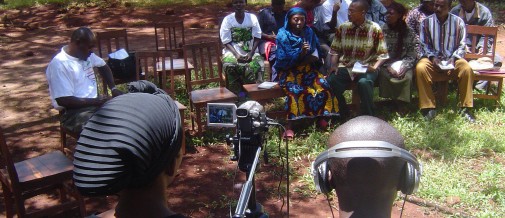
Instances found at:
x=426 y=74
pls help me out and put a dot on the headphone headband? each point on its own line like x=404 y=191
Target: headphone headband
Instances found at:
x=372 y=149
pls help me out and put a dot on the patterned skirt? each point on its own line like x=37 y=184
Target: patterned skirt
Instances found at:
x=238 y=74
x=308 y=94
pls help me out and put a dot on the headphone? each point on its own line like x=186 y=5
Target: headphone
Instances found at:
x=409 y=178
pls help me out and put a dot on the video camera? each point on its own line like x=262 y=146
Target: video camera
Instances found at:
x=251 y=122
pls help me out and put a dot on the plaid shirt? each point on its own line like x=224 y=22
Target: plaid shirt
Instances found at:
x=364 y=43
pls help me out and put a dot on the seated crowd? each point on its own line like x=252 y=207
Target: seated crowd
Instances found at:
x=314 y=50
x=393 y=44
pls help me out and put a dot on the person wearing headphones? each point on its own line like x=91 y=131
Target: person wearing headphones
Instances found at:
x=366 y=164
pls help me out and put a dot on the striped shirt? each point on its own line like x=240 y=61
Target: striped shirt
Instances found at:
x=443 y=40
x=364 y=43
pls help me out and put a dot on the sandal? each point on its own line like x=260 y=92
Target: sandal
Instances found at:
x=322 y=124
x=288 y=135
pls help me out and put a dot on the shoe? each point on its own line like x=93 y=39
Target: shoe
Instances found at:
x=465 y=113
x=429 y=113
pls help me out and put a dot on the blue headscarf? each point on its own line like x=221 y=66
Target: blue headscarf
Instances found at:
x=289 y=46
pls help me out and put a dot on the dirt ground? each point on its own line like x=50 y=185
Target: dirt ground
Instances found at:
x=28 y=41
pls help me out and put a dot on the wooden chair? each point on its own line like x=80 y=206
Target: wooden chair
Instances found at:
x=160 y=67
x=63 y=136
x=170 y=36
x=486 y=33
x=111 y=41
x=206 y=60
x=475 y=31
x=35 y=176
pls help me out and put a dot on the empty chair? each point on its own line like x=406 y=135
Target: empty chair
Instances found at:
x=207 y=69
x=35 y=176
x=488 y=33
x=159 y=66
x=170 y=36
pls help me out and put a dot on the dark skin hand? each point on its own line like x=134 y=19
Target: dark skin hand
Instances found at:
x=106 y=73
x=248 y=57
x=71 y=102
x=272 y=37
x=436 y=62
x=333 y=22
x=307 y=59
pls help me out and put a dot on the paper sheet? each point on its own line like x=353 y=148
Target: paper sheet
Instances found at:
x=359 y=68
x=397 y=65
x=267 y=85
x=445 y=66
x=119 y=54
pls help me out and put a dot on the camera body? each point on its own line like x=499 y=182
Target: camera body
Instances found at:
x=251 y=124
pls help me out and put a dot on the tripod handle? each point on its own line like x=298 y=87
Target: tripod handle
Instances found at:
x=247 y=189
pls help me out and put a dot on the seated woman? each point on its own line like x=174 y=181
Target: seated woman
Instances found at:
x=395 y=80
x=240 y=34
x=308 y=93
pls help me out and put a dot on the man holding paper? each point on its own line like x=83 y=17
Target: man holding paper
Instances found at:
x=442 y=37
x=360 y=48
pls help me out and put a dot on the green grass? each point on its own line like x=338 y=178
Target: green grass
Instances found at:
x=460 y=160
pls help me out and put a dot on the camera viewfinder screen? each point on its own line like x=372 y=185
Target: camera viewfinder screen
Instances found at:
x=221 y=115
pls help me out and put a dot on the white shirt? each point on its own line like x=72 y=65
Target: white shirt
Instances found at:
x=70 y=76
x=342 y=15
x=229 y=22
x=469 y=15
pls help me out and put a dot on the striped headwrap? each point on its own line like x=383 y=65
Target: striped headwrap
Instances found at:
x=127 y=143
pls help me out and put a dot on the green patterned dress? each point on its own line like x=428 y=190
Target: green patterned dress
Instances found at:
x=241 y=37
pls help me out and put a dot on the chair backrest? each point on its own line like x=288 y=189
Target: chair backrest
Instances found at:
x=169 y=35
x=206 y=60
x=157 y=65
x=8 y=163
x=110 y=41
x=488 y=33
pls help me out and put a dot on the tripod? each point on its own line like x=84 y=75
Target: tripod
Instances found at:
x=246 y=147
x=247 y=205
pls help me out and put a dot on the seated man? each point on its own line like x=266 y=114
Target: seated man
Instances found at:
x=72 y=82
x=443 y=52
x=329 y=6
x=357 y=41
x=367 y=174
x=271 y=19
x=474 y=13
x=418 y=14
x=132 y=150
x=376 y=12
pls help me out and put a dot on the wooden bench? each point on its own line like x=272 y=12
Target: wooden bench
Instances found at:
x=263 y=95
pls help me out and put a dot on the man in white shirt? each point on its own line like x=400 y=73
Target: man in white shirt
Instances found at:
x=342 y=16
x=72 y=82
